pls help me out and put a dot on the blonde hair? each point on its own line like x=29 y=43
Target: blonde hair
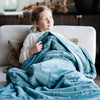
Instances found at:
x=35 y=14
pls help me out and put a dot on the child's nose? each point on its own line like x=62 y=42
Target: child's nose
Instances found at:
x=48 y=20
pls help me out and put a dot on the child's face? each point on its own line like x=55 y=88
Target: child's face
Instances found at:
x=46 y=21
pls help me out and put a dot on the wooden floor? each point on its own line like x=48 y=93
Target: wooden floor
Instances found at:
x=97 y=80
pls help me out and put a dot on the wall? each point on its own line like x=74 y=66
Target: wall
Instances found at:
x=99 y=7
x=24 y=3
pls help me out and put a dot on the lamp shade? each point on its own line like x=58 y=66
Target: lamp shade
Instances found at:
x=9 y=5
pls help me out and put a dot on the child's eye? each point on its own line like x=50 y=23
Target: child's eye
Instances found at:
x=43 y=19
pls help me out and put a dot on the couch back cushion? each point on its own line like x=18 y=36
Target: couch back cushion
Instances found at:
x=85 y=34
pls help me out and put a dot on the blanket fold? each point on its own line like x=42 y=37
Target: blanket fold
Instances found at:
x=61 y=71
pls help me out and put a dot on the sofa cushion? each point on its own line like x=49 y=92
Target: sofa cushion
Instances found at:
x=3 y=71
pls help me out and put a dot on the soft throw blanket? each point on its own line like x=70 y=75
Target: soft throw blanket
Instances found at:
x=61 y=71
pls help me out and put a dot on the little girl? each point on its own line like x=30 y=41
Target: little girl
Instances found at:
x=43 y=21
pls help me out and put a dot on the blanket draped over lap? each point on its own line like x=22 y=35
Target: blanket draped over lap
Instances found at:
x=61 y=71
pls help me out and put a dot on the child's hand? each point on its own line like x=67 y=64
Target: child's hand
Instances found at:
x=36 y=48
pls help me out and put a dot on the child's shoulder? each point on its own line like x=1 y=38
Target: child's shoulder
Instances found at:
x=33 y=35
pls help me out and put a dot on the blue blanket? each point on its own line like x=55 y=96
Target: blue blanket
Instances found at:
x=61 y=71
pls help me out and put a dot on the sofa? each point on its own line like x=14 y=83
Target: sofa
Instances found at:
x=86 y=36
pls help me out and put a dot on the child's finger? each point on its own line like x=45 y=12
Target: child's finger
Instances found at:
x=39 y=42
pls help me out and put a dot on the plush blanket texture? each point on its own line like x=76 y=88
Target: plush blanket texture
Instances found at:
x=61 y=71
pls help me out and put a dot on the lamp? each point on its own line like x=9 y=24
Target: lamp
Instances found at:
x=9 y=5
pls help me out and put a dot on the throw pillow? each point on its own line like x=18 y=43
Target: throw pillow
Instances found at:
x=14 y=52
